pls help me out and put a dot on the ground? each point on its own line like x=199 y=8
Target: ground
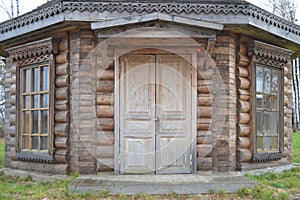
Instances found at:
x=271 y=186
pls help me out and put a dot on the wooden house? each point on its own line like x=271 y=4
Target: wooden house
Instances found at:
x=159 y=87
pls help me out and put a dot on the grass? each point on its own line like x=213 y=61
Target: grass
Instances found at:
x=271 y=186
x=2 y=156
x=296 y=147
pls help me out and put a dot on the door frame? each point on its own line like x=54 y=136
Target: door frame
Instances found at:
x=117 y=55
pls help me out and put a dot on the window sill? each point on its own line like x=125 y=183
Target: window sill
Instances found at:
x=266 y=157
x=35 y=157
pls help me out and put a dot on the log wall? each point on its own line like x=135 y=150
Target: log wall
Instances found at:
x=243 y=76
x=105 y=115
x=62 y=100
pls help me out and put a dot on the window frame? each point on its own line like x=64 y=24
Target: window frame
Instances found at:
x=264 y=61
x=32 y=55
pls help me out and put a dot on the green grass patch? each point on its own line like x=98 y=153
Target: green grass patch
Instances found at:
x=296 y=147
x=2 y=152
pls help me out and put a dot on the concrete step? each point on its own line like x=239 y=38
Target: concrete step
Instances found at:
x=160 y=184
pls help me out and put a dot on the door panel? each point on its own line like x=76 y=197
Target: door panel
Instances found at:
x=137 y=129
x=173 y=103
x=155 y=114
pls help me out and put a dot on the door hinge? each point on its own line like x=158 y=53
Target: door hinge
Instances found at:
x=191 y=160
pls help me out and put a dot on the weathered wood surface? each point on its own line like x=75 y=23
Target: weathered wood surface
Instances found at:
x=243 y=72
x=105 y=99
x=62 y=81
x=104 y=111
x=62 y=93
x=61 y=105
x=62 y=57
x=103 y=74
x=61 y=142
x=245 y=155
x=244 y=142
x=204 y=112
x=244 y=118
x=105 y=86
x=244 y=130
x=62 y=69
x=244 y=106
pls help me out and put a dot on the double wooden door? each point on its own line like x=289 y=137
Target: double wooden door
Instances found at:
x=155 y=114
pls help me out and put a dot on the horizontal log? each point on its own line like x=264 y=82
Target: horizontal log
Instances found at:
x=13 y=99
x=204 y=163
x=105 y=99
x=202 y=120
x=244 y=97
x=105 y=152
x=204 y=74
x=105 y=86
x=62 y=69
x=244 y=106
x=243 y=60
x=12 y=119
x=40 y=167
x=243 y=49
x=61 y=129
x=204 y=112
x=104 y=74
x=105 y=165
x=244 y=130
x=244 y=142
x=203 y=127
x=286 y=81
x=285 y=152
x=243 y=92
x=63 y=45
x=105 y=124
x=12 y=142
x=243 y=83
x=286 y=100
x=244 y=155
x=285 y=141
x=13 y=89
x=61 y=156
x=244 y=118
x=13 y=69
x=60 y=159
x=62 y=57
x=204 y=82
x=204 y=89
x=204 y=150
x=62 y=116
x=62 y=81
x=204 y=101
x=62 y=93
x=61 y=105
x=243 y=72
x=61 y=142
x=207 y=139
x=105 y=111
x=105 y=138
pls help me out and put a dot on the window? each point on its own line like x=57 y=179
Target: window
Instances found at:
x=267 y=109
x=34 y=108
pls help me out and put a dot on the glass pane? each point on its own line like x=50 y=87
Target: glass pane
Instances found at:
x=259 y=79
x=44 y=143
x=267 y=80
x=44 y=101
x=35 y=142
x=25 y=142
x=259 y=123
x=274 y=123
x=267 y=102
x=267 y=123
x=27 y=80
x=259 y=142
x=274 y=143
x=35 y=101
x=44 y=121
x=35 y=80
x=26 y=101
x=274 y=102
x=44 y=78
x=267 y=143
x=259 y=101
x=26 y=128
x=274 y=81
x=35 y=121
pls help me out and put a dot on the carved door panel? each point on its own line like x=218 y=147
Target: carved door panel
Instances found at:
x=173 y=112
x=155 y=114
x=137 y=127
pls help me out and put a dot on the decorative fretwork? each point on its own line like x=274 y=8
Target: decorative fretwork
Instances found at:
x=34 y=60
x=34 y=50
x=266 y=52
x=266 y=157
x=270 y=62
x=241 y=8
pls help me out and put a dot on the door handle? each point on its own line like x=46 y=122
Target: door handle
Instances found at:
x=156 y=118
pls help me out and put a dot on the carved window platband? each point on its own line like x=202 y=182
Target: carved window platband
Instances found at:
x=268 y=74
x=34 y=138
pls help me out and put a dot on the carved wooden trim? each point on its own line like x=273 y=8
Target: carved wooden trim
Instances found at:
x=31 y=50
x=266 y=52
